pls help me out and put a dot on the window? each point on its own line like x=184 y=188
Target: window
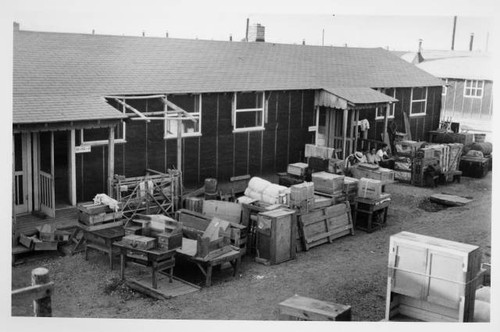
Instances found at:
x=445 y=87
x=473 y=89
x=248 y=111
x=418 y=103
x=192 y=105
x=380 y=115
x=100 y=136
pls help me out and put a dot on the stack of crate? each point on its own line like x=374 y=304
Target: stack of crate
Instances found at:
x=302 y=196
x=369 y=188
x=98 y=216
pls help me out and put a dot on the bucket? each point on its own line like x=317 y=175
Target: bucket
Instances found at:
x=479 y=138
x=211 y=185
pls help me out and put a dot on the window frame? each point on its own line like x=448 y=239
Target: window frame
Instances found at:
x=235 y=111
x=392 y=107
x=121 y=140
x=412 y=101
x=474 y=88
x=197 y=104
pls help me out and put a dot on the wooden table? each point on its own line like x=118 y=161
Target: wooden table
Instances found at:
x=158 y=259
x=369 y=207
x=102 y=240
x=188 y=252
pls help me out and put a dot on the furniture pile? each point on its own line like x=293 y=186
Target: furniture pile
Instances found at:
x=48 y=237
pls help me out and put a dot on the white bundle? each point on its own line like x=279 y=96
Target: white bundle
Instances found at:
x=106 y=200
x=253 y=194
x=257 y=184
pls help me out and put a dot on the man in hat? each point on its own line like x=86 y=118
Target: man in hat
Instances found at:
x=353 y=159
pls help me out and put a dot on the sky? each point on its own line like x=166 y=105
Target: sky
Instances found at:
x=397 y=25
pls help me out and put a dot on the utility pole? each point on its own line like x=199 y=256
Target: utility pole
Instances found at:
x=453 y=36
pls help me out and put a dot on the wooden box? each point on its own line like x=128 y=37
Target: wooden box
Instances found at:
x=303 y=308
x=297 y=169
x=474 y=167
x=301 y=192
x=431 y=279
x=98 y=218
x=382 y=174
x=139 y=242
x=170 y=241
x=369 y=188
x=335 y=165
x=328 y=183
x=276 y=235
x=318 y=164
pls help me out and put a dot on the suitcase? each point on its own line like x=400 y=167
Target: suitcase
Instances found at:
x=474 y=167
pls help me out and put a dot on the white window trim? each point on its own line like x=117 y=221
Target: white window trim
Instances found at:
x=194 y=114
x=392 y=106
x=474 y=88
x=234 y=113
x=419 y=100
x=106 y=142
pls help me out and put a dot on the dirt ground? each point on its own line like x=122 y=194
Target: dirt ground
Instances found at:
x=352 y=270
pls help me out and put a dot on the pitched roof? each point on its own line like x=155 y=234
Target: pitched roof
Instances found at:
x=473 y=68
x=361 y=95
x=65 y=76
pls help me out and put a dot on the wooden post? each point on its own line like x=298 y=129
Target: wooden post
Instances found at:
x=344 y=135
x=179 y=145
x=14 y=221
x=72 y=168
x=42 y=307
x=386 y=114
x=111 y=160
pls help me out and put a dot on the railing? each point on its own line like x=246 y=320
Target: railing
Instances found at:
x=46 y=190
x=40 y=292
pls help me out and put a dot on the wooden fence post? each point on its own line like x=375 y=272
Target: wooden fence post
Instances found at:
x=43 y=306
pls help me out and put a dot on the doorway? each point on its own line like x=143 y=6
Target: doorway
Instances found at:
x=61 y=169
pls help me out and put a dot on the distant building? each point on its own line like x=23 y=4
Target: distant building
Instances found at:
x=467 y=96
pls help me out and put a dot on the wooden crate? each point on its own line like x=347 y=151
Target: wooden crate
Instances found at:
x=382 y=174
x=431 y=279
x=297 y=169
x=303 y=308
x=474 y=167
x=325 y=224
x=276 y=236
x=328 y=183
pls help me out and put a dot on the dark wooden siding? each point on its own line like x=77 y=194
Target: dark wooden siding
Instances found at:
x=419 y=125
x=217 y=153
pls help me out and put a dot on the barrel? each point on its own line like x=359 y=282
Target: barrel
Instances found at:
x=479 y=138
x=210 y=186
x=194 y=204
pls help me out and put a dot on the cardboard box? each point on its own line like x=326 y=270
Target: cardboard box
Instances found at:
x=369 y=188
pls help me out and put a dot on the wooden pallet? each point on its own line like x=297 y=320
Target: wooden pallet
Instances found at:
x=325 y=224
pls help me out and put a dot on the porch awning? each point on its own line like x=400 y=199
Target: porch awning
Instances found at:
x=351 y=98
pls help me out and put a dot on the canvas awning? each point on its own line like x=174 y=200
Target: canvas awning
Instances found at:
x=351 y=98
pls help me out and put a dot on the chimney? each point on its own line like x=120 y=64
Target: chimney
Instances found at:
x=471 y=41
x=93 y=31
x=144 y=33
x=256 y=33
x=16 y=26
x=303 y=41
x=230 y=37
x=420 y=45
x=166 y=34
x=246 y=33
x=453 y=35
x=418 y=58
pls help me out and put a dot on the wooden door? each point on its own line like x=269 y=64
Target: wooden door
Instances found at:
x=22 y=173
x=46 y=185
